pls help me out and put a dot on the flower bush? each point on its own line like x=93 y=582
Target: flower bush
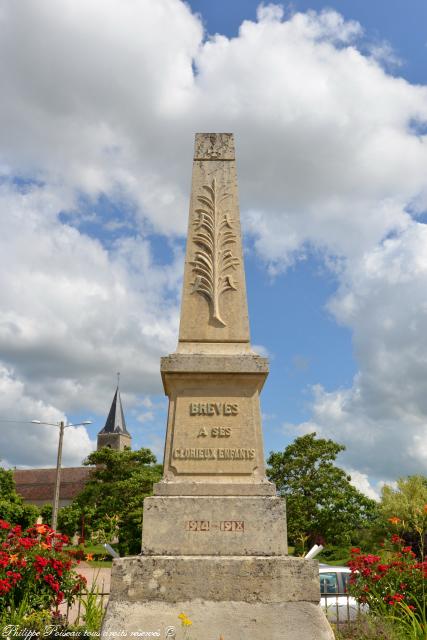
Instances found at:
x=35 y=572
x=392 y=581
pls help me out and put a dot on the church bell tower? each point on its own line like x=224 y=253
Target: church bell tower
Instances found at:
x=114 y=434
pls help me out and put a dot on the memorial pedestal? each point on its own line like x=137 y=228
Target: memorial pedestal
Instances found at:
x=275 y=597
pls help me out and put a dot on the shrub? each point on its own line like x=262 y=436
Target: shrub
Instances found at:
x=35 y=572
x=392 y=583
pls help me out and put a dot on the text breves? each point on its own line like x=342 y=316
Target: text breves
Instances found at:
x=214 y=409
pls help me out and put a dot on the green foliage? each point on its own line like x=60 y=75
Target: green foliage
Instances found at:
x=46 y=514
x=112 y=501
x=334 y=555
x=368 y=628
x=27 y=620
x=93 y=607
x=12 y=507
x=70 y=518
x=322 y=504
x=406 y=508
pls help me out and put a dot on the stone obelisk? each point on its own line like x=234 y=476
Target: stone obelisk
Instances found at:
x=214 y=540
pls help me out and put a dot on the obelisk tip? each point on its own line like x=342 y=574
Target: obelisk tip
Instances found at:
x=214 y=146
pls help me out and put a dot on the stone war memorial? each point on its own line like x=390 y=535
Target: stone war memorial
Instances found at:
x=214 y=543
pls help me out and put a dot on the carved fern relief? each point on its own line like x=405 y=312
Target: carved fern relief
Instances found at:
x=214 y=258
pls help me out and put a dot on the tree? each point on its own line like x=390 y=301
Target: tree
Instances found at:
x=114 y=496
x=405 y=507
x=322 y=504
x=12 y=507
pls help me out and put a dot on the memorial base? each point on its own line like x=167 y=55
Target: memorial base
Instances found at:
x=236 y=597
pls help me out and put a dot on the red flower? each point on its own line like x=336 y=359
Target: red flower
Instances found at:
x=4 y=524
x=355 y=550
x=4 y=559
x=57 y=565
x=382 y=568
x=14 y=577
x=371 y=559
x=40 y=563
x=408 y=550
x=5 y=586
x=398 y=597
x=27 y=543
x=50 y=579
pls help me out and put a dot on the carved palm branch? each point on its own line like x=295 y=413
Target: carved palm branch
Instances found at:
x=214 y=258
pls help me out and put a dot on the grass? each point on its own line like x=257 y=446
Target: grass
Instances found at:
x=94 y=549
x=101 y=564
x=367 y=628
x=340 y=562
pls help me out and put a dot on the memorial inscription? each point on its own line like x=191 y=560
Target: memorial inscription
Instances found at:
x=214 y=435
x=214 y=408
x=233 y=526
x=208 y=453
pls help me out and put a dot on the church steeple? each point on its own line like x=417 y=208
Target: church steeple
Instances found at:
x=114 y=434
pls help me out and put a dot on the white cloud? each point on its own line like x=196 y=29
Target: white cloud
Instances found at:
x=383 y=418
x=72 y=315
x=361 y=482
x=35 y=444
x=101 y=99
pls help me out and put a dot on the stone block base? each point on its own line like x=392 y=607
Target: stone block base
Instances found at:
x=214 y=525
x=236 y=597
x=236 y=488
x=216 y=620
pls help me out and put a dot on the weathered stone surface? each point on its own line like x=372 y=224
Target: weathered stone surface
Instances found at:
x=214 y=363
x=214 y=307
x=271 y=579
x=214 y=427
x=214 y=526
x=203 y=488
x=213 y=620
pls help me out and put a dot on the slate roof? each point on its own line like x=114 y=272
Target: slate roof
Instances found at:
x=116 y=419
x=38 y=484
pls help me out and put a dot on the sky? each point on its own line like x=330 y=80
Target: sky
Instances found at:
x=328 y=104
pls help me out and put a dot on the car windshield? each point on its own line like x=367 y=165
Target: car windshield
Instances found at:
x=328 y=583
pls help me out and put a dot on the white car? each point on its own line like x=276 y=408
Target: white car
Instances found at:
x=334 y=598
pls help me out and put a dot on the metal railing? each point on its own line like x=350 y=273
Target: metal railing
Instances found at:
x=341 y=608
x=75 y=613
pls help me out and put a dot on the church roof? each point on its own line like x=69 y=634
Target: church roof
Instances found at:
x=116 y=419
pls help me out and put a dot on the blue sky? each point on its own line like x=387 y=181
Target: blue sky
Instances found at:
x=328 y=103
x=401 y=24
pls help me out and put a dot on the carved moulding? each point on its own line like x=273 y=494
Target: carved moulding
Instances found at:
x=214 y=259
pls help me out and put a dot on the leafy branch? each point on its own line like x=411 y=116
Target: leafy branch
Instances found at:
x=214 y=259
